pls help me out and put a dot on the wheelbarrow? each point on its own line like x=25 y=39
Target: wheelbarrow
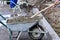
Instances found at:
x=33 y=28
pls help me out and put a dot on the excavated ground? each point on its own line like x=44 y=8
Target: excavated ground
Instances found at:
x=53 y=17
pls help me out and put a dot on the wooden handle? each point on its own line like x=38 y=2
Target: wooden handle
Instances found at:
x=42 y=10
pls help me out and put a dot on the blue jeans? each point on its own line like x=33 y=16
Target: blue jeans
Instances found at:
x=12 y=5
x=58 y=5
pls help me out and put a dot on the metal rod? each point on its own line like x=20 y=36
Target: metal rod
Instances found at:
x=3 y=24
x=3 y=17
x=19 y=35
x=36 y=32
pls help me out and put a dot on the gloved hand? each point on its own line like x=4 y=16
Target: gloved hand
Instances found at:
x=56 y=3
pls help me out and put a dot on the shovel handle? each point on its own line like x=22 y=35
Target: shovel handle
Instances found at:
x=42 y=10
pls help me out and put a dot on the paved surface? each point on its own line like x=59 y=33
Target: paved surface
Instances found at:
x=5 y=36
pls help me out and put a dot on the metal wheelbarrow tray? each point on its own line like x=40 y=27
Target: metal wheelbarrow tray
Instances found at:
x=31 y=26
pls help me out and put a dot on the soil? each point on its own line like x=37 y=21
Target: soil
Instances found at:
x=53 y=17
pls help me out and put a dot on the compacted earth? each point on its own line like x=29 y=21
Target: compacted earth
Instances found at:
x=53 y=17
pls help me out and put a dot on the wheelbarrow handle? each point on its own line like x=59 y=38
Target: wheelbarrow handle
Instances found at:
x=10 y=32
x=3 y=24
x=3 y=17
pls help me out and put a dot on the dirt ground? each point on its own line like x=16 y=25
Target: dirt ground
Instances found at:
x=53 y=17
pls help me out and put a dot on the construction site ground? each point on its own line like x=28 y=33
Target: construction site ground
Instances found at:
x=53 y=17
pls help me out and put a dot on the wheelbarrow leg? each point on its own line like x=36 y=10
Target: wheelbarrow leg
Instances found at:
x=10 y=35
x=19 y=35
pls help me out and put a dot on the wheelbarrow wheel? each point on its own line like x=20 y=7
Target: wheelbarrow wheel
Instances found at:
x=36 y=36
